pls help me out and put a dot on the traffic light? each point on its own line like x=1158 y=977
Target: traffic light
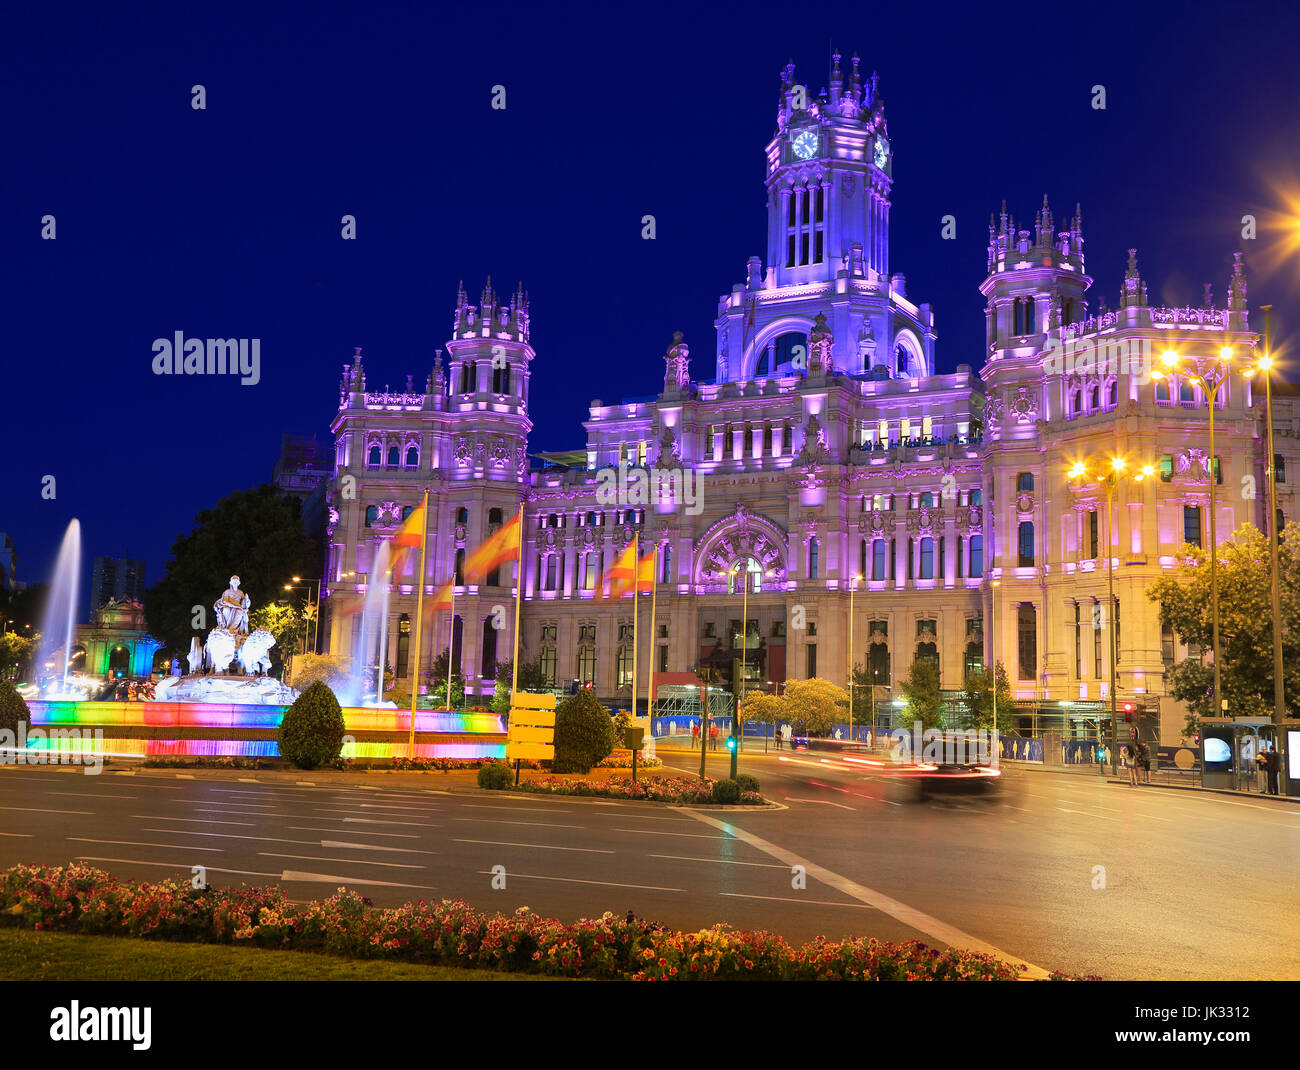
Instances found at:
x=731 y=743
x=1129 y=711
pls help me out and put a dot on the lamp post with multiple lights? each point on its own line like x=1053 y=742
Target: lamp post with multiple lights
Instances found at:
x=1209 y=373
x=1110 y=476
x=299 y=584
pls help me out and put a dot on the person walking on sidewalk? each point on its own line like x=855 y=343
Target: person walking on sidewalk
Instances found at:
x=1273 y=767
x=713 y=736
x=1130 y=759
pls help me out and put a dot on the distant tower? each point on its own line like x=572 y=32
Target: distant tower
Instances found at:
x=488 y=359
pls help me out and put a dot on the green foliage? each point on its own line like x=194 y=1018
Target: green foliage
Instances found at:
x=584 y=733
x=15 y=655
x=815 y=705
x=12 y=707
x=921 y=692
x=726 y=791
x=747 y=782
x=311 y=733
x=531 y=678
x=763 y=709
x=495 y=776
x=1245 y=624
x=978 y=697
x=334 y=670
x=622 y=721
x=437 y=682
x=256 y=533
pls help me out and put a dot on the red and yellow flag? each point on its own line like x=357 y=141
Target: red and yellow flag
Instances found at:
x=627 y=572
x=500 y=547
x=412 y=530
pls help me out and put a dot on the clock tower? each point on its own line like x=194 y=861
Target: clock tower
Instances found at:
x=829 y=171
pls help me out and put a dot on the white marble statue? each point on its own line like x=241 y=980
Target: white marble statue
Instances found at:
x=220 y=650
x=195 y=656
x=232 y=608
x=254 y=653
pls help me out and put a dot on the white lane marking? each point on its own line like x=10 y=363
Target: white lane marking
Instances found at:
x=237 y=813
x=380 y=821
x=248 y=780
x=512 y=809
x=342 y=861
x=539 y=846
x=293 y=875
x=822 y=802
x=1085 y=813
x=236 y=836
x=688 y=835
x=354 y=832
x=809 y=902
x=192 y=820
x=19 y=835
x=575 y=880
x=374 y=847
x=137 y=843
x=721 y=861
x=90 y=795
x=184 y=776
x=353 y=810
x=173 y=865
x=503 y=821
x=916 y=919
x=305 y=783
x=1151 y=817
x=41 y=810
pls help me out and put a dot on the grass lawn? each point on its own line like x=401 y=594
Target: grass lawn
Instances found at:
x=35 y=956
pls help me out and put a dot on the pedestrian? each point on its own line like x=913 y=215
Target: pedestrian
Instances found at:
x=695 y=733
x=1129 y=756
x=1144 y=760
x=713 y=735
x=1261 y=769
x=776 y=735
x=1273 y=766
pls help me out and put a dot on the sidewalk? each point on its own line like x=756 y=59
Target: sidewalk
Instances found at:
x=1163 y=778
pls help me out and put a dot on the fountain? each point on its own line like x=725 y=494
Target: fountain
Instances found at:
x=366 y=684
x=60 y=616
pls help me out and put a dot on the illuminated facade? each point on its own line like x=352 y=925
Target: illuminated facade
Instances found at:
x=824 y=448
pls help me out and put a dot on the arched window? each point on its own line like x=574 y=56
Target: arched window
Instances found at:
x=813 y=550
x=1113 y=391
x=1162 y=389
x=1185 y=391
x=1026 y=541
x=1096 y=398
x=375 y=457
x=1076 y=402
x=901 y=357
x=927 y=559
x=394 y=456
x=789 y=355
x=412 y=457
x=372 y=514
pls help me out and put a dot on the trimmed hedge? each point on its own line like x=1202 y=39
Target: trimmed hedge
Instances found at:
x=584 y=733
x=13 y=709
x=747 y=782
x=726 y=791
x=311 y=732
x=495 y=776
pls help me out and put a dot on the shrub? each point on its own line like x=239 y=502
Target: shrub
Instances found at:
x=584 y=733
x=726 y=791
x=622 y=720
x=311 y=733
x=747 y=782
x=12 y=707
x=495 y=776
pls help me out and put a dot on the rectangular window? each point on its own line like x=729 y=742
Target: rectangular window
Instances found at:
x=1167 y=644
x=1027 y=627
x=883 y=429
x=663 y=659
x=1097 y=663
x=1192 y=524
x=976 y=556
x=927 y=427
x=905 y=428
x=1166 y=468
x=927 y=559
x=879 y=567
x=812 y=660
x=1078 y=645
x=1093 y=526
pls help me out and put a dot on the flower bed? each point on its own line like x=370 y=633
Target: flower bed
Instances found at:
x=203 y=762
x=677 y=789
x=621 y=758
x=81 y=899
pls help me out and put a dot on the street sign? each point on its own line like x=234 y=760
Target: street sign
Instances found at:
x=522 y=700
x=540 y=751
x=532 y=717
x=531 y=734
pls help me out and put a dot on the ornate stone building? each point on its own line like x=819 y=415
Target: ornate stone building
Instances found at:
x=826 y=452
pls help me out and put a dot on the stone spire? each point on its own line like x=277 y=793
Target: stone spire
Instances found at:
x=677 y=369
x=1237 y=285
x=1134 y=292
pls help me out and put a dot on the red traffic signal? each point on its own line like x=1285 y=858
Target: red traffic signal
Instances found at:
x=1128 y=711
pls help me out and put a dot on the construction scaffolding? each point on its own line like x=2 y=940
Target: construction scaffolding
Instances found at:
x=682 y=700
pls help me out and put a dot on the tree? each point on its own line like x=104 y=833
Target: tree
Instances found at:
x=256 y=534
x=16 y=654
x=762 y=708
x=437 y=683
x=24 y=608
x=978 y=699
x=921 y=693
x=287 y=626
x=531 y=678
x=1245 y=625
x=584 y=733
x=311 y=731
x=815 y=705
x=334 y=670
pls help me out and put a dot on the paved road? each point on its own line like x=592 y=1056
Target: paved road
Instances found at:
x=1194 y=886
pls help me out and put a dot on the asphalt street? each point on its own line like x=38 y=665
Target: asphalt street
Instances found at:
x=1063 y=872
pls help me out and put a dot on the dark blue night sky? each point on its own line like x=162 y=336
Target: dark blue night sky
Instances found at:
x=226 y=222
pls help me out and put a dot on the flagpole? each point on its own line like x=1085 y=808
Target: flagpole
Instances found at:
x=654 y=603
x=636 y=610
x=419 y=620
x=451 y=632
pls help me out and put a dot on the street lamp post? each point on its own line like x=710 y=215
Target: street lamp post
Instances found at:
x=1209 y=373
x=852 y=581
x=299 y=584
x=1109 y=480
x=743 y=571
x=993 y=659
x=1264 y=365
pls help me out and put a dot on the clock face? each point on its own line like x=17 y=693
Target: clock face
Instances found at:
x=805 y=145
x=881 y=152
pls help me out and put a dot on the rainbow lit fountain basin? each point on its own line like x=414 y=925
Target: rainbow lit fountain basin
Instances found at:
x=209 y=729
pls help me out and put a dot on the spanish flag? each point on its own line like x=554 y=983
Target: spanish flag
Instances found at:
x=502 y=546
x=442 y=599
x=621 y=580
x=410 y=534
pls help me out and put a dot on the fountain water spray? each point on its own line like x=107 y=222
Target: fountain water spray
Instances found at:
x=372 y=637
x=59 y=622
